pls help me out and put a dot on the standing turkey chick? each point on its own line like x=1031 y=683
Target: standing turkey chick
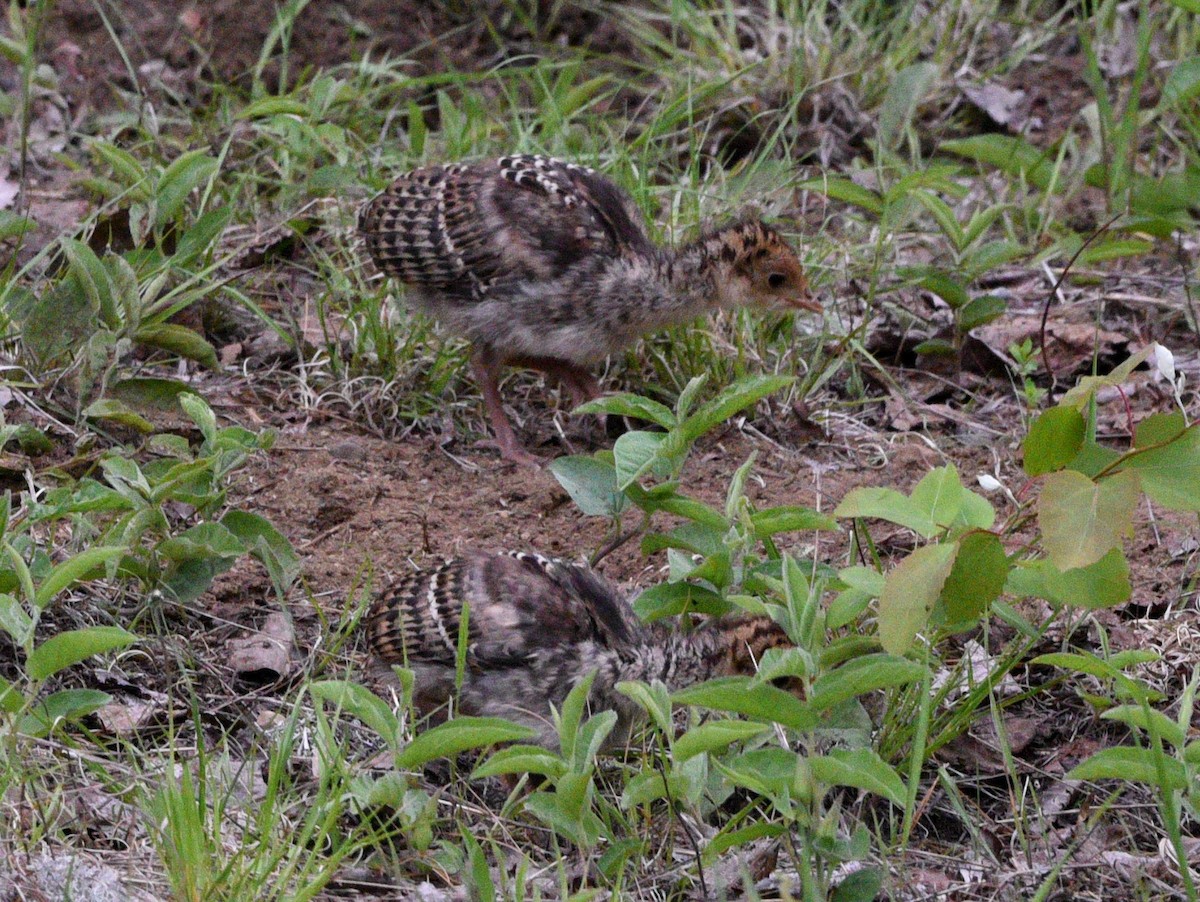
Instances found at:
x=536 y=627
x=546 y=265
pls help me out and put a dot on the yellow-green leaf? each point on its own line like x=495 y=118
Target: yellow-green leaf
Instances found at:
x=1081 y=520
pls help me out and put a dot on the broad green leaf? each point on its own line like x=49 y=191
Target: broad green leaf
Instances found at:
x=118 y=412
x=673 y=599
x=124 y=164
x=64 y=649
x=74 y=569
x=715 y=735
x=862 y=885
x=11 y=700
x=1113 y=249
x=358 y=701
x=1014 y=156
x=774 y=772
x=939 y=496
x=202 y=236
x=14 y=226
x=180 y=340
x=267 y=544
x=910 y=590
x=1081 y=520
x=15 y=620
x=682 y=506
x=733 y=398
x=635 y=454
x=201 y=414
x=949 y=225
x=1170 y=473
x=459 y=735
x=629 y=405
x=847 y=192
x=266 y=107
x=95 y=280
x=724 y=841
x=789 y=518
x=975 y=581
x=65 y=705
x=861 y=675
x=1103 y=584
x=1133 y=765
x=591 y=483
x=1148 y=719
x=946 y=288
x=203 y=540
x=150 y=394
x=904 y=92
x=739 y=695
x=1079 y=396
x=862 y=769
x=1183 y=79
x=1054 y=440
x=185 y=173
x=520 y=759
x=885 y=504
x=980 y=311
x=653 y=699
x=1159 y=429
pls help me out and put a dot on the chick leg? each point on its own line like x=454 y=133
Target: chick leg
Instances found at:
x=486 y=367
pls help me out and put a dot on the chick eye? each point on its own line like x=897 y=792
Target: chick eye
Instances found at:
x=776 y=279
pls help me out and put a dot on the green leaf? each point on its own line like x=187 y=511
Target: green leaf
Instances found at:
x=1011 y=155
x=202 y=236
x=1148 y=720
x=268 y=545
x=1183 y=79
x=65 y=705
x=715 y=735
x=1054 y=440
x=95 y=280
x=975 y=581
x=146 y=393
x=520 y=759
x=629 y=405
x=11 y=700
x=266 y=107
x=15 y=620
x=885 y=504
x=732 y=399
x=1103 y=584
x=459 y=735
x=185 y=173
x=1130 y=765
x=939 y=496
x=862 y=769
x=789 y=518
x=118 y=412
x=201 y=414
x=980 y=311
x=847 y=192
x=905 y=91
x=635 y=454
x=910 y=590
x=1081 y=395
x=1159 y=429
x=591 y=483
x=739 y=695
x=78 y=567
x=1170 y=473
x=861 y=886
x=861 y=675
x=204 y=540
x=124 y=165
x=653 y=699
x=179 y=340
x=673 y=599
x=1113 y=249
x=64 y=649
x=946 y=288
x=1081 y=520
x=358 y=701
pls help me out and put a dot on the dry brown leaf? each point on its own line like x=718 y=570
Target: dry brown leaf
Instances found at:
x=1002 y=105
x=265 y=656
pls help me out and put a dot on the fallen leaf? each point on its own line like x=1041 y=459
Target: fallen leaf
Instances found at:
x=265 y=656
x=1002 y=105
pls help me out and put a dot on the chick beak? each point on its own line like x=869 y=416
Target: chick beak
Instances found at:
x=803 y=300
